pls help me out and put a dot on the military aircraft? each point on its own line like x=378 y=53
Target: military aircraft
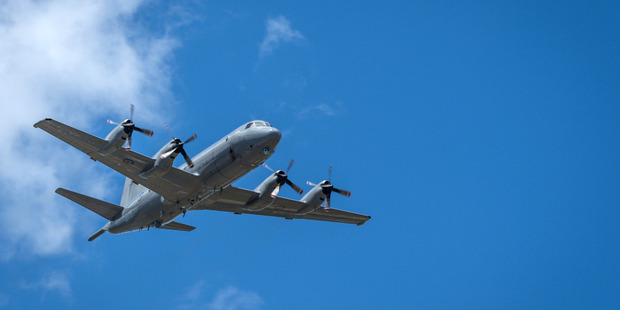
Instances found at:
x=156 y=193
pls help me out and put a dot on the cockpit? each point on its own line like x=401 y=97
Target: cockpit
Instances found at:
x=257 y=124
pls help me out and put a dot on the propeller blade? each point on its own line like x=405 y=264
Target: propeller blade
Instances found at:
x=275 y=191
x=132 y=107
x=144 y=131
x=328 y=203
x=295 y=187
x=268 y=168
x=113 y=122
x=188 y=160
x=169 y=132
x=190 y=139
x=310 y=183
x=330 y=174
x=165 y=155
x=342 y=192
x=290 y=164
x=128 y=142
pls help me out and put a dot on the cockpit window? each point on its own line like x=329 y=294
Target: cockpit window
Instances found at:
x=257 y=124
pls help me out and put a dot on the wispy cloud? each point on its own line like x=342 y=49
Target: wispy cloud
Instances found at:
x=4 y=300
x=232 y=298
x=323 y=109
x=278 y=30
x=78 y=62
x=319 y=110
x=52 y=282
x=229 y=298
x=194 y=292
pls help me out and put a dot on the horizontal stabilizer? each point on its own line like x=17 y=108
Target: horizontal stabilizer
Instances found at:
x=105 y=209
x=178 y=226
x=95 y=235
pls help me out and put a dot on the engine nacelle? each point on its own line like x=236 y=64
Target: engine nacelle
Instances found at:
x=313 y=199
x=264 y=199
x=161 y=165
x=116 y=138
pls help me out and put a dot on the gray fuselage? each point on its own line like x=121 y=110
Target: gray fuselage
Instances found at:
x=218 y=166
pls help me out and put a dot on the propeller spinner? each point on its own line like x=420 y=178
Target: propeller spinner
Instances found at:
x=129 y=127
x=282 y=178
x=178 y=148
x=328 y=188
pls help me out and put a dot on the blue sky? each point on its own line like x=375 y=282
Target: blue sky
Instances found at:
x=481 y=138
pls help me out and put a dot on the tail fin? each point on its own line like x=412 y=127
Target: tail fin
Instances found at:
x=130 y=191
x=105 y=209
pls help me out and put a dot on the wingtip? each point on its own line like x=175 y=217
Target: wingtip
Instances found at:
x=364 y=222
x=36 y=125
x=361 y=223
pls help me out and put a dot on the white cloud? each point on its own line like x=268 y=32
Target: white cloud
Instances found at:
x=52 y=282
x=278 y=30
x=319 y=108
x=231 y=298
x=79 y=62
x=194 y=292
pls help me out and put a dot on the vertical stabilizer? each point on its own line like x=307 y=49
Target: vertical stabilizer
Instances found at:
x=131 y=191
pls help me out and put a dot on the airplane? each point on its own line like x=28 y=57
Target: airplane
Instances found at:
x=156 y=193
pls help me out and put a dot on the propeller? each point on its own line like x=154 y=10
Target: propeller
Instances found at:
x=328 y=188
x=129 y=127
x=282 y=178
x=178 y=148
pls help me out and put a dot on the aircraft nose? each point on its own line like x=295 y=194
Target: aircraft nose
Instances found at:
x=273 y=137
x=274 y=133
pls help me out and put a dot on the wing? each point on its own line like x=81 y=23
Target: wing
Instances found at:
x=233 y=199
x=174 y=185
